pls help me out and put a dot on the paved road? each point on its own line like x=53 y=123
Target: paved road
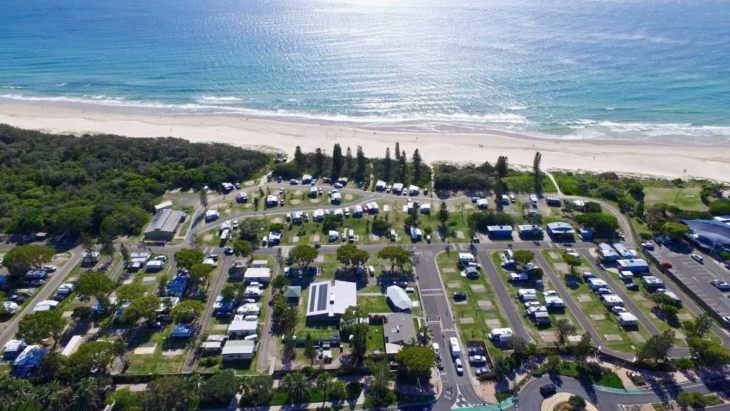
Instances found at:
x=189 y=363
x=575 y=309
x=48 y=288
x=264 y=350
x=456 y=388
x=505 y=299
x=530 y=398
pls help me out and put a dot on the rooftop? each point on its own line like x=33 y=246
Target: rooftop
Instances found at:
x=328 y=299
x=239 y=347
x=399 y=328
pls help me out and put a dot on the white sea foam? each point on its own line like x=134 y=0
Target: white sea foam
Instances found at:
x=218 y=100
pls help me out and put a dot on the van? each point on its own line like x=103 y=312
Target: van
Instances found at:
x=436 y=348
x=252 y=337
x=371 y=271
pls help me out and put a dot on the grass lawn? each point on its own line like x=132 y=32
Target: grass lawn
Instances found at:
x=514 y=287
x=157 y=362
x=687 y=198
x=376 y=341
x=593 y=306
x=374 y=304
x=478 y=329
x=607 y=379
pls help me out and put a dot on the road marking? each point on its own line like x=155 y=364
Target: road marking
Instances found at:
x=695 y=278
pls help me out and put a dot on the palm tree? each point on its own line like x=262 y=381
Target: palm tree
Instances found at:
x=324 y=382
x=86 y=396
x=425 y=333
x=42 y=394
x=297 y=387
x=13 y=391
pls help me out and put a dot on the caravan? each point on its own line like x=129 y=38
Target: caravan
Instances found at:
x=454 y=346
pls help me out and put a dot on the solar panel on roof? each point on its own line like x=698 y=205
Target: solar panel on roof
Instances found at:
x=322 y=297
x=313 y=298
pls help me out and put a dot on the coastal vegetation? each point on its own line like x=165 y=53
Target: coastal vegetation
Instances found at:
x=104 y=183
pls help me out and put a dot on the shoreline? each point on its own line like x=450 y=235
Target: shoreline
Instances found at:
x=670 y=159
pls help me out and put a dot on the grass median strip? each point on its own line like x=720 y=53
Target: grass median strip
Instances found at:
x=603 y=320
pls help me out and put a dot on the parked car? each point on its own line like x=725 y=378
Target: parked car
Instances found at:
x=477 y=359
x=618 y=310
x=666 y=264
x=632 y=286
x=547 y=390
x=37 y=283
x=49 y=268
x=228 y=251
x=726 y=321
x=721 y=285
x=481 y=371
x=459 y=296
x=697 y=258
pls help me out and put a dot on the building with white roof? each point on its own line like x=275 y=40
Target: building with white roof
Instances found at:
x=398 y=298
x=240 y=327
x=636 y=265
x=328 y=301
x=238 y=350
x=163 y=225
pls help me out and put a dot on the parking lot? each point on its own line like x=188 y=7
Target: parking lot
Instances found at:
x=696 y=276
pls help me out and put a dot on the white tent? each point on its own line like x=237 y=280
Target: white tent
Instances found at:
x=398 y=297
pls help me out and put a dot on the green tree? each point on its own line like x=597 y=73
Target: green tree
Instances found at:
x=657 y=347
x=299 y=158
x=200 y=274
x=415 y=363
x=303 y=255
x=125 y=400
x=35 y=327
x=536 y=172
x=297 y=387
x=701 y=326
x=87 y=396
x=502 y=167
x=675 y=231
x=220 y=388
x=128 y=292
x=553 y=363
x=310 y=352
x=708 y=352
x=337 y=390
x=379 y=393
x=187 y=311
x=351 y=256
x=242 y=248
x=564 y=329
x=22 y=258
x=361 y=165
x=187 y=257
x=502 y=367
x=94 y=284
x=397 y=256
x=443 y=215
x=324 y=382
x=318 y=162
x=349 y=166
x=599 y=222
x=387 y=165
x=142 y=307
x=203 y=198
x=230 y=292
x=331 y=222
x=87 y=243
x=572 y=262
x=107 y=246
x=91 y=356
x=125 y=253
x=359 y=343
x=522 y=257
x=279 y=282
x=577 y=402
x=170 y=394
x=257 y=391
x=417 y=164
x=583 y=349
x=13 y=392
x=337 y=162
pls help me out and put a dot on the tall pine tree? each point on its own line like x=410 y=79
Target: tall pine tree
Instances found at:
x=337 y=162
x=417 y=162
x=361 y=165
x=318 y=162
x=387 y=165
x=299 y=159
x=349 y=163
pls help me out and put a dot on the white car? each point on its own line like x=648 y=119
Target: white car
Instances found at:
x=721 y=285
x=46 y=268
x=459 y=366
x=619 y=310
x=697 y=258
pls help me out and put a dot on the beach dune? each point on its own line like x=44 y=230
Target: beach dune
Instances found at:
x=640 y=158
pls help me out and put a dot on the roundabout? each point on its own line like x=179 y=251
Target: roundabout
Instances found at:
x=554 y=402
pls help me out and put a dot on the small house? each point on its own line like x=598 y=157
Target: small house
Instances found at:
x=397 y=188
x=636 y=265
x=653 y=282
x=560 y=229
x=242 y=197
x=272 y=200
x=499 y=231
x=238 y=350
x=553 y=201
x=240 y=327
x=182 y=331
x=154 y=265
x=416 y=234
x=607 y=253
x=211 y=215
x=622 y=250
x=336 y=198
x=530 y=231
x=380 y=185
x=293 y=293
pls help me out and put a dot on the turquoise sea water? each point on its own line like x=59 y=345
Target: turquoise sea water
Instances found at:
x=613 y=68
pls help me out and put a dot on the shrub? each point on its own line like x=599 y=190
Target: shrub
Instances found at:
x=684 y=364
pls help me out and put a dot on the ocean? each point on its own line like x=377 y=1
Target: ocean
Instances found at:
x=611 y=69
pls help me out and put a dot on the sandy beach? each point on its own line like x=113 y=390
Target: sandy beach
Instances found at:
x=652 y=159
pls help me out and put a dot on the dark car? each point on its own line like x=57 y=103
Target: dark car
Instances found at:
x=547 y=390
x=317 y=245
x=228 y=251
x=666 y=264
x=459 y=296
